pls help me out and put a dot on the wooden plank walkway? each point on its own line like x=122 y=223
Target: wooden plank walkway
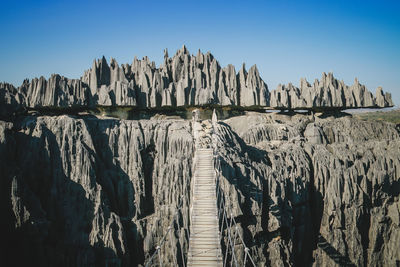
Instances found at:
x=204 y=243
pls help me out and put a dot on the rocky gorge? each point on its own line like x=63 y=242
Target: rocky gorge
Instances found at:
x=89 y=190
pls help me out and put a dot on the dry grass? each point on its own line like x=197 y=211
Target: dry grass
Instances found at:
x=389 y=116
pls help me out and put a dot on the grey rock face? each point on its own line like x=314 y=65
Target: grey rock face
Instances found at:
x=328 y=92
x=88 y=191
x=84 y=192
x=304 y=190
x=184 y=80
x=58 y=91
x=314 y=191
x=10 y=99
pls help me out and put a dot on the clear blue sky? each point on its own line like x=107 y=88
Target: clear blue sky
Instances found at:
x=286 y=39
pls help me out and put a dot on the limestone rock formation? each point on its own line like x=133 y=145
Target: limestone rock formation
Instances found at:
x=11 y=99
x=321 y=192
x=305 y=190
x=84 y=192
x=183 y=80
x=328 y=93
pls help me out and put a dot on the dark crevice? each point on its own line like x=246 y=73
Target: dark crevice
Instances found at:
x=316 y=203
x=148 y=155
x=364 y=225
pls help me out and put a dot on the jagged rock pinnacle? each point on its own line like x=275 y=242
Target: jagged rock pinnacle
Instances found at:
x=187 y=80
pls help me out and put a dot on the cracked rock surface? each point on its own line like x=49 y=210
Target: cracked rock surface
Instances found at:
x=95 y=191
x=313 y=191
x=92 y=192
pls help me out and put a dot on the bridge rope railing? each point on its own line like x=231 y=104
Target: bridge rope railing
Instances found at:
x=227 y=220
x=227 y=224
x=175 y=228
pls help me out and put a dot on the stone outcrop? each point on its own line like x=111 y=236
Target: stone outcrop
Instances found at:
x=86 y=192
x=314 y=191
x=11 y=100
x=183 y=80
x=305 y=190
x=96 y=191
x=328 y=93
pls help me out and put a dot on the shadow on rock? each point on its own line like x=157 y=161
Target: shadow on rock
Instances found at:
x=57 y=206
x=60 y=214
x=333 y=253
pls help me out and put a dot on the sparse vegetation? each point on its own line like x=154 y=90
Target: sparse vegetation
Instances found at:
x=389 y=116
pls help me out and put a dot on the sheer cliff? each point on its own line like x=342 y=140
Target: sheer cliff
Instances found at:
x=86 y=192
x=310 y=190
x=305 y=190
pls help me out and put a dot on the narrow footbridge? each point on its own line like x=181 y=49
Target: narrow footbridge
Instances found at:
x=212 y=222
x=205 y=241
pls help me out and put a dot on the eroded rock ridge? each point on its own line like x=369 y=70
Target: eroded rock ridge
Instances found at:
x=305 y=190
x=182 y=80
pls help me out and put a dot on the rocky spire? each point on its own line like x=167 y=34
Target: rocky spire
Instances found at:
x=187 y=80
x=328 y=92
